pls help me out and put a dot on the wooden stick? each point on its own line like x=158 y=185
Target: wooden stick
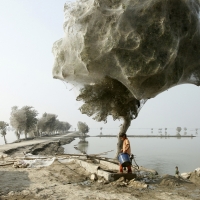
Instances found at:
x=71 y=155
x=89 y=155
x=100 y=153
x=98 y=158
x=33 y=158
x=7 y=164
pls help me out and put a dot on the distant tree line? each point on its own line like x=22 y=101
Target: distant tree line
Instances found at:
x=24 y=121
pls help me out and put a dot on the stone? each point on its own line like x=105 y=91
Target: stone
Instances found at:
x=170 y=181
x=197 y=170
x=25 y=192
x=195 y=178
x=185 y=175
x=137 y=184
x=11 y=193
x=101 y=180
x=121 y=179
x=93 y=177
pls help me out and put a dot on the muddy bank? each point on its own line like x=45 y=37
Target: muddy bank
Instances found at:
x=47 y=148
x=66 y=181
x=70 y=180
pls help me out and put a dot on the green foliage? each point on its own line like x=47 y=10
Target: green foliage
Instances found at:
x=3 y=126
x=49 y=122
x=23 y=119
x=109 y=97
x=31 y=119
x=83 y=127
x=18 y=119
x=62 y=126
x=65 y=126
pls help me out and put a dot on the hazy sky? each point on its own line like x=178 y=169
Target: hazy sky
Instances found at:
x=27 y=32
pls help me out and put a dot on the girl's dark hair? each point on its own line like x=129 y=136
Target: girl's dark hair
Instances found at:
x=123 y=135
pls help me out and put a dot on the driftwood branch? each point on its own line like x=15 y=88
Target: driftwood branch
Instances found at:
x=10 y=163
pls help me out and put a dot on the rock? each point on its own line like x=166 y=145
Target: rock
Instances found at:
x=120 y=182
x=20 y=164
x=120 y=179
x=37 y=190
x=11 y=193
x=137 y=184
x=25 y=192
x=170 y=181
x=2 y=156
x=197 y=170
x=195 y=178
x=93 y=177
x=185 y=175
x=102 y=180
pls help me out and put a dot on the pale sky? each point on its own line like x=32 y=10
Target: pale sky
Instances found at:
x=27 y=32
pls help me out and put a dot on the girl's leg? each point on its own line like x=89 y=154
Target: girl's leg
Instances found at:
x=129 y=169
x=120 y=168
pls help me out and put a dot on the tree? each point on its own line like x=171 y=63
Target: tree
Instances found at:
x=61 y=126
x=41 y=126
x=18 y=120
x=101 y=130
x=50 y=122
x=109 y=97
x=3 y=126
x=83 y=127
x=31 y=120
x=47 y=123
x=178 y=129
x=23 y=120
x=58 y=126
x=65 y=126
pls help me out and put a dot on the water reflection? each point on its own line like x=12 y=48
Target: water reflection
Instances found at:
x=159 y=153
x=82 y=145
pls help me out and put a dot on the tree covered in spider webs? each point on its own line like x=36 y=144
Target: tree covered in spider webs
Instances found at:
x=109 y=97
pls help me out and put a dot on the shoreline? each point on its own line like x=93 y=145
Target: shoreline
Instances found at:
x=68 y=180
x=184 y=136
x=40 y=143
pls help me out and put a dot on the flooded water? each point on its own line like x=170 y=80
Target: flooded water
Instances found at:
x=160 y=154
x=10 y=137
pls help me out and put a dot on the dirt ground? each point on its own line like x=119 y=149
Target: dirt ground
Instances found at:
x=70 y=181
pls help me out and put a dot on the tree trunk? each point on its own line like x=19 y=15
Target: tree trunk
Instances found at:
x=25 y=133
x=17 y=134
x=123 y=129
x=38 y=132
x=4 y=137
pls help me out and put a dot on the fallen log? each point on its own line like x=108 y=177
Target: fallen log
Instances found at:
x=71 y=155
x=7 y=164
x=88 y=157
x=32 y=158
